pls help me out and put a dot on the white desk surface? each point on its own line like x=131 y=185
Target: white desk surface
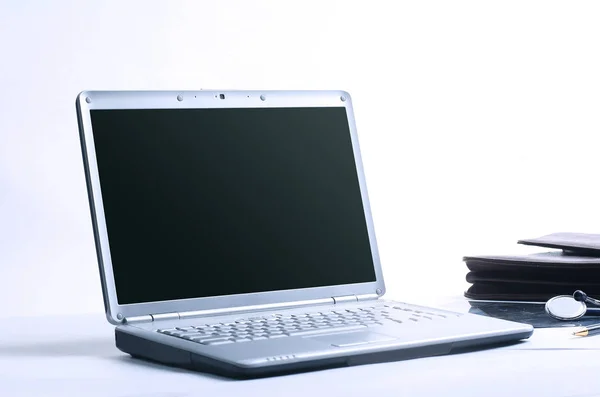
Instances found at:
x=76 y=356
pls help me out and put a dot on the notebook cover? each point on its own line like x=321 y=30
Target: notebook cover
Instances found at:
x=566 y=278
x=581 y=243
x=522 y=291
x=541 y=262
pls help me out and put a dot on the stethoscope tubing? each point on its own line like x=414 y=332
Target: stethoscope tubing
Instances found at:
x=592 y=311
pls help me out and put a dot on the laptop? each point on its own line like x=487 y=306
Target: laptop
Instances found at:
x=234 y=236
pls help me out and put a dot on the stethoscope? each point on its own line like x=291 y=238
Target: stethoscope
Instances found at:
x=572 y=307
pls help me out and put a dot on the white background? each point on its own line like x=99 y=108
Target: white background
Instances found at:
x=478 y=121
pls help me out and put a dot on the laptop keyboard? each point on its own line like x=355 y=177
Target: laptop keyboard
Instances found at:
x=315 y=323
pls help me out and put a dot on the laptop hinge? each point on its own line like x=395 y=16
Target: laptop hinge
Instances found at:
x=366 y=297
x=354 y=298
x=344 y=299
x=151 y=317
x=165 y=316
x=138 y=319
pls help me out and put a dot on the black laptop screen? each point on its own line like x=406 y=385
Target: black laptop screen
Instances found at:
x=209 y=202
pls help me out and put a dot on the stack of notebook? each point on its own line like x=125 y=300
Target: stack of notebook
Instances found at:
x=573 y=263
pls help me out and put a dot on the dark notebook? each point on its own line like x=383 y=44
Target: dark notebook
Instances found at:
x=540 y=276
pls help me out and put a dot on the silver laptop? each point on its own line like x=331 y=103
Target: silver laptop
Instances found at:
x=234 y=236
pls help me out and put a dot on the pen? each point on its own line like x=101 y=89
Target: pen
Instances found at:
x=591 y=330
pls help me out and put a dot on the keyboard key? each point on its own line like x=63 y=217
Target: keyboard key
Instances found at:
x=275 y=336
x=326 y=330
x=190 y=335
x=288 y=327
x=238 y=340
x=205 y=340
x=258 y=337
x=203 y=328
x=218 y=342
x=177 y=334
x=186 y=328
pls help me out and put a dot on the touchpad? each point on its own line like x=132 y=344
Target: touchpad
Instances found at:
x=352 y=338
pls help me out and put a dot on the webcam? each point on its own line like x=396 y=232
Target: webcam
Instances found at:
x=222 y=96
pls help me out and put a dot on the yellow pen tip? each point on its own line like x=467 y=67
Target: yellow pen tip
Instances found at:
x=581 y=333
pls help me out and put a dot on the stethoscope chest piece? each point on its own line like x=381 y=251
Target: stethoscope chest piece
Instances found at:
x=565 y=307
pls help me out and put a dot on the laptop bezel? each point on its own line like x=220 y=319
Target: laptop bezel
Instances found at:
x=90 y=100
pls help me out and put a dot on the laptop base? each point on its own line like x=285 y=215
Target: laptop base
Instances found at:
x=145 y=349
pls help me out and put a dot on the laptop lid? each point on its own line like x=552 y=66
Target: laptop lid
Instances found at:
x=204 y=200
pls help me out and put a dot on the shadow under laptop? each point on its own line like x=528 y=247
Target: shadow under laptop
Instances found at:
x=96 y=347
x=140 y=362
x=101 y=348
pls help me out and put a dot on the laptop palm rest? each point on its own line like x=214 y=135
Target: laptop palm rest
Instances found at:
x=354 y=338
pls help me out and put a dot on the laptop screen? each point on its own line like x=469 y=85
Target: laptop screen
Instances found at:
x=213 y=202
